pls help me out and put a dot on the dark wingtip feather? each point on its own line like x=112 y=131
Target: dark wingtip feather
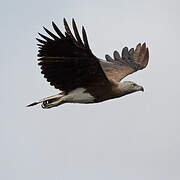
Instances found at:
x=76 y=32
x=109 y=58
x=57 y=30
x=64 y=19
x=73 y=21
x=41 y=41
x=146 y=58
x=131 y=53
x=51 y=34
x=144 y=44
x=86 y=44
x=45 y=37
x=68 y=31
x=65 y=22
x=143 y=48
x=116 y=55
x=147 y=54
x=125 y=53
x=40 y=45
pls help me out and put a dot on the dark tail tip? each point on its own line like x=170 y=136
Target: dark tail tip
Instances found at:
x=32 y=104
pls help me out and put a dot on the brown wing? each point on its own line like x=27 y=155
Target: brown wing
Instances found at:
x=131 y=61
x=67 y=62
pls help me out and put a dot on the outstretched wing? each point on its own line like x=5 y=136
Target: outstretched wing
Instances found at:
x=130 y=61
x=67 y=62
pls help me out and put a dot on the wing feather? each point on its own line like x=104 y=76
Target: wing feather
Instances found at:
x=125 y=53
x=130 y=62
x=68 y=63
x=41 y=41
x=61 y=35
x=86 y=44
x=76 y=32
x=51 y=34
x=116 y=56
x=68 y=31
x=45 y=38
x=109 y=58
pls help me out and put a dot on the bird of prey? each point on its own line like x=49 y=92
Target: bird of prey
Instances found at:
x=68 y=63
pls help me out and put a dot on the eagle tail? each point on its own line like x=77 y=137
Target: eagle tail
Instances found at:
x=49 y=102
x=33 y=104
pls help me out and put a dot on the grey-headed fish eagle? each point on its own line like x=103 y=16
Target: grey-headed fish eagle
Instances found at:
x=68 y=63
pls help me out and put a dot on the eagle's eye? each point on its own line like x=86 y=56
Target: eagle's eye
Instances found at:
x=133 y=85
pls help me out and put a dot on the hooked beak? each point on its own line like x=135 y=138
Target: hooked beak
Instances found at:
x=141 y=88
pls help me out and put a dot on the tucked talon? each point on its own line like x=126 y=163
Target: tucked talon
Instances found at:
x=42 y=105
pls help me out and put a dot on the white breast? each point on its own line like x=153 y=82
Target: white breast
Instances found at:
x=79 y=96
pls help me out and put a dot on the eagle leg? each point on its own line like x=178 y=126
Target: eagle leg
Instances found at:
x=52 y=103
x=49 y=102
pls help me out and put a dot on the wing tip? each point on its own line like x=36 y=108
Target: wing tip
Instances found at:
x=85 y=39
x=147 y=53
x=64 y=20
x=141 y=55
x=53 y=23
x=73 y=20
x=116 y=55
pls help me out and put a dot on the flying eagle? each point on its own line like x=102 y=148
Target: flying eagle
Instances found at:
x=68 y=63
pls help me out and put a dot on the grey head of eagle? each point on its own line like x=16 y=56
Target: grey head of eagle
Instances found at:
x=68 y=64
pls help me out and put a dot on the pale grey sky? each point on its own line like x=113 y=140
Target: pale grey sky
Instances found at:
x=136 y=137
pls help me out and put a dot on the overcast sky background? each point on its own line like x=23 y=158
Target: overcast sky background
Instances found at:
x=136 y=137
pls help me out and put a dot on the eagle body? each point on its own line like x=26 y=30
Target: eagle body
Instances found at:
x=68 y=63
x=79 y=95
